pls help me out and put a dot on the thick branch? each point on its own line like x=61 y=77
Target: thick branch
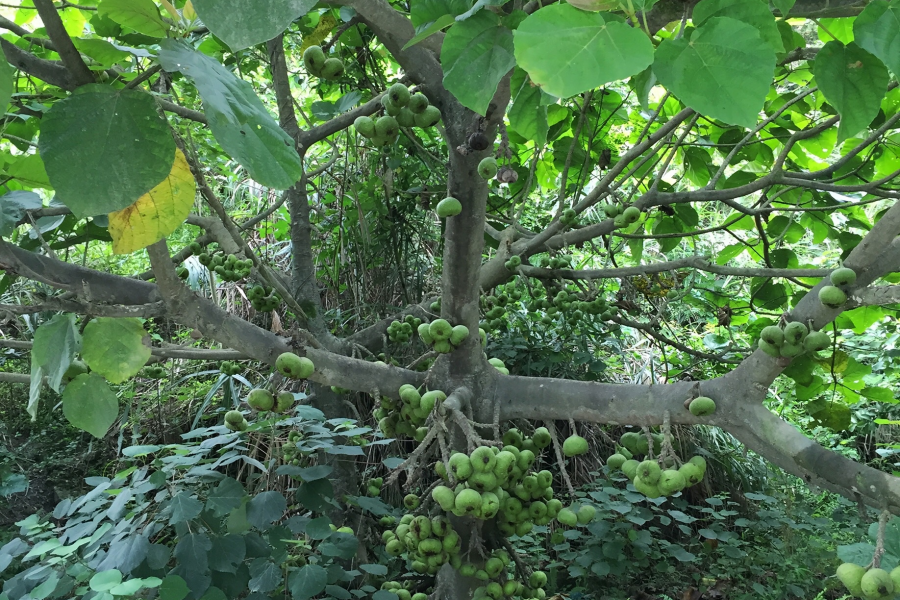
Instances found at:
x=81 y=75
x=699 y=263
x=92 y=286
x=876 y=296
x=783 y=445
x=155 y=309
x=181 y=353
x=48 y=71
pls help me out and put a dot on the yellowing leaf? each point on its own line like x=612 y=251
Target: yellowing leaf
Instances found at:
x=188 y=11
x=157 y=213
x=318 y=35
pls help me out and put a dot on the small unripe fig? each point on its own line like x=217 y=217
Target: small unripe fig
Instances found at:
x=832 y=297
x=702 y=406
x=843 y=276
x=448 y=207
x=399 y=94
x=487 y=168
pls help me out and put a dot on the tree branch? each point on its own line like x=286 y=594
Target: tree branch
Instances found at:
x=48 y=71
x=783 y=445
x=81 y=75
x=700 y=263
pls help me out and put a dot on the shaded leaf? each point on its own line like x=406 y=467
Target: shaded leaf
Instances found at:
x=55 y=345
x=115 y=347
x=104 y=148
x=13 y=206
x=140 y=15
x=90 y=405
x=476 y=54
x=265 y=508
x=854 y=83
x=307 y=582
x=245 y=23
x=877 y=30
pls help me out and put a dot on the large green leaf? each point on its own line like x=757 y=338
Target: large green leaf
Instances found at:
x=854 y=83
x=173 y=587
x=307 y=582
x=7 y=80
x=245 y=23
x=115 y=348
x=424 y=12
x=13 y=206
x=722 y=71
x=140 y=15
x=225 y=497
x=526 y=115
x=237 y=117
x=752 y=12
x=877 y=30
x=193 y=550
x=568 y=51
x=183 y=507
x=265 y=508
x=55 y=345
x=90 y=405
x=476 y=54
x=104 y=148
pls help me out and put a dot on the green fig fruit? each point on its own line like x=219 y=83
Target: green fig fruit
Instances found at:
x=843 y=276
x=468 y=501
x=365 y=126
x=877 y=584
x=772 y=335
x=816 y=341
x=261 y=399
x=541 y=438
x=333 y=69
x=671 y=482
x=458 y=334
x=629 y=468
x=575 y=445
x=616 y=461
x=648 y=489
x=448 y=207
x=429 y=117
x=567 y=517
x=648 y=472
x=399 y=94
x=417 y=103
x=440 y=329
x=389 y=107
x=586 y=514
x=314 y=59
x=487 y=168
x=794 y=332
x=234 y=417
x=293 y=366
x=702 y=406
x=631 y=214
x=851 y=576
x=387 y=127
x=832 y=297
x=284 y=401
